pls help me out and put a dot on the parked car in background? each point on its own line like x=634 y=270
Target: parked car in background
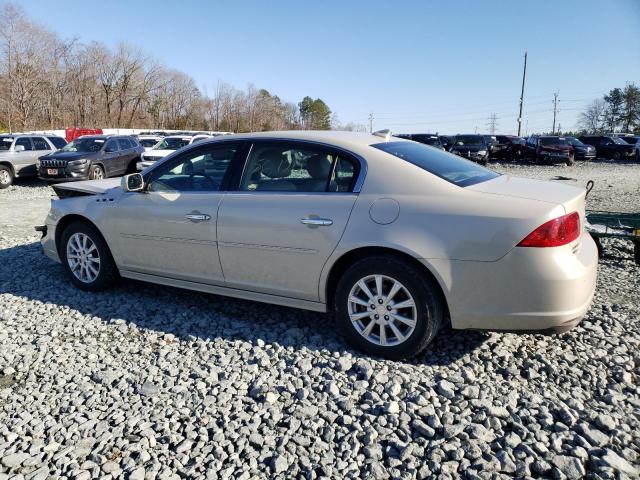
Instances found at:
x=163 y=148
x=630 y=139
x=582 y=151
x=492 y=143
x=549 y=149
x=447 y=141
x=609 y=147
x=199 y=137
x=149 y=141
x=391 y=235
x=426 y=138
x=509 y=147
x=72 y=133
x=473 y=147
x=91 y=157
x=19 y=155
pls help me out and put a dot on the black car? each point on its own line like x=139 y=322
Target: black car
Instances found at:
x=608 y=146
x=447 y=141
x=630 y=139
x=549 y=149
x=509 y=147
x=426 y=138
x=91 y=157
x=473 y=147
x=581 y=150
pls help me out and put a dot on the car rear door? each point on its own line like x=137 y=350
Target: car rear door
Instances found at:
x=126 y=154
x=276 y=232
x=24 y=162
x=169 y=230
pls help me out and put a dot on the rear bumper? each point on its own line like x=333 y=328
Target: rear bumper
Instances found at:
x=529 y=289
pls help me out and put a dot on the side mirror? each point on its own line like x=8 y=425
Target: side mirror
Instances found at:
x=133 y=182
x=18 y=148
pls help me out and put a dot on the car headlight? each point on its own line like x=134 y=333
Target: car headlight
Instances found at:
x=82 y=161
x=38 y=163
x=482 y=152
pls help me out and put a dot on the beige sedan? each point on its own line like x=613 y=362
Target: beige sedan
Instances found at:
x=393 y=236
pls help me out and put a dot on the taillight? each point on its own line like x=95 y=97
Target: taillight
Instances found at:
x=554 y=233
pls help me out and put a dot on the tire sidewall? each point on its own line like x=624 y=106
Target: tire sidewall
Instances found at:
x=428 y=307
x=107 y=272
x=94 y=169
x=8 y=170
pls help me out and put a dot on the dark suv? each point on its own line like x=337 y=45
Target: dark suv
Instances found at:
x=426 y=138
x=582 y=151
x=91 y=157
x=549 y=149
x=473 y=147
x=509 y=147
x=609 y=147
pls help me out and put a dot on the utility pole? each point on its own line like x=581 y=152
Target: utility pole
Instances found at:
x=555 y=111
x=524 y=74
x=371 y=122
x=493 y=123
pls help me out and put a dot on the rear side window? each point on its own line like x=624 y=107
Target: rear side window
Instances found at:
x=451 y=168
x=293 y=167
x=58 y=142
x=40 y=143
x=124 y=143
x=111 y=146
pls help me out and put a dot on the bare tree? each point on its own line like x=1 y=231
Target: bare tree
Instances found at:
x=592 y=119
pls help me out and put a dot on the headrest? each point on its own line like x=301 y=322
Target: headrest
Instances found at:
x=275 y=164
x=319 y=167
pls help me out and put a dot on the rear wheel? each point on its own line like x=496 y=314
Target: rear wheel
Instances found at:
x=86 y=257
x=96 y=173
x=387 y=307
x=617 y=156
x=6 y=177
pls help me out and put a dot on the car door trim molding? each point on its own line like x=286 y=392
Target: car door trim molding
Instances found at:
x=268 y=247
x=136 y=236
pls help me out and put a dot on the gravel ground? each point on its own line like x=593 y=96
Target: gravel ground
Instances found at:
x=152 y=382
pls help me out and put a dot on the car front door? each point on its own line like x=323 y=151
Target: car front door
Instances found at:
x=169 y=229
x=111 y=158
x=24 y=162
x=276 y=232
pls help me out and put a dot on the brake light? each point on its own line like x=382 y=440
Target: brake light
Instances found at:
x=554 y=233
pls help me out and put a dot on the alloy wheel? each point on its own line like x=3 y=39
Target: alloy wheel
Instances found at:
x=83 y=257
x=382 y=310
x=5 y=177
x=98 y=174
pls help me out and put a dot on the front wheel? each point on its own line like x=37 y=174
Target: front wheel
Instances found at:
x=386 y=307
x=96 y=173
x=6 y=177
x=617 y=155
x=86 y=258
x=571 y=160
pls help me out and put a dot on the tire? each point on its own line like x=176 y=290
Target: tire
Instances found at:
x=6 y=177
x=72 y=238
x=96 y=173
x=427 y=310
x=636 y=251
x=617 y=156
x=571 y=161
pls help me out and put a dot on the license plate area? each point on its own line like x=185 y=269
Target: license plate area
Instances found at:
x=52 y=171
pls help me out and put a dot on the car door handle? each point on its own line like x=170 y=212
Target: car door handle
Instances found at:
x=318 y=222
x=198 y=217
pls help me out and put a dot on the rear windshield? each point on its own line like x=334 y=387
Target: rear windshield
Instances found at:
x=575 y=142
x=451 y=168
x=171 y=143
x=617 y=141
x=553 y=141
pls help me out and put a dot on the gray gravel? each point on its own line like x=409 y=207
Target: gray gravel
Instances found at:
x=153 y=382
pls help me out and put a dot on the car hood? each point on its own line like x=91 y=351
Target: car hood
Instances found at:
x=157 y=153
x=69 y=155
x=87 y=187
x=540 y=190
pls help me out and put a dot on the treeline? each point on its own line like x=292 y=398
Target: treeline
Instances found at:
x=618 y=111
x=47 y=82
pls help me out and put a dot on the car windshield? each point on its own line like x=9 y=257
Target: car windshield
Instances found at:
x=553 y=141
x=575 y=142
x=618 y=141
x=451 y=168
x=469 y=140
x=148 y=142
x=5 y=142
x=84 y=145
x=171 y=143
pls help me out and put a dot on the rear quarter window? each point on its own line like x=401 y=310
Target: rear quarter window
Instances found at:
x=447 y=166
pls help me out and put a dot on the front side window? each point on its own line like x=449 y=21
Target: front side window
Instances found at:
x=451 y=168
x=40 y=143
x=201 y=170
x=84 y=145
x=25 y=142
x=546 y=141
x=617 y=141
x=286 y=167
x=111 y=146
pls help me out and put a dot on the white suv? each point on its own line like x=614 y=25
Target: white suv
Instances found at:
x=166 y=146
x=19 y=154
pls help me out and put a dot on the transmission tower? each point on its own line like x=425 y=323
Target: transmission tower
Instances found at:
x=493 y=123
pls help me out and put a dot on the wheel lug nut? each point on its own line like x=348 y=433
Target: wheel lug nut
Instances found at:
x=376 y=316
x=373 y=307
x=380 y=301
x=386 y=317
x=388 y=308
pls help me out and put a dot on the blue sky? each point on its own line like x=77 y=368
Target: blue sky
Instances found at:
x=417 y=65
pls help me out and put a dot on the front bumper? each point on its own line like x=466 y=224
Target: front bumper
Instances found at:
x=529 y=289
x=68 y=173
